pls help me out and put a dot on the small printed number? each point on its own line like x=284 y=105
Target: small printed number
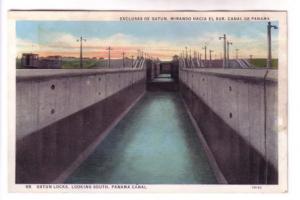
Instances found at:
x=256 y=187
x=28 y=186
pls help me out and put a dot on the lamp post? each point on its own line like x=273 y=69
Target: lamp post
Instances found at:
x=205 y=47
x=109 y=49
x=191 y=58
x=237 y=53
x=210 y=51
x=224 y=58
x=80 y=40
x=186 y=57
x=132 y=61
x=123 y=58
x=269 y=61
x=138 y=54
x=228 y=43
x=186 y=54
x=200 y=60
x=250 y=60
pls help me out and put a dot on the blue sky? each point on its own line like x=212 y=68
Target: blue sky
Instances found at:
x=149 y=35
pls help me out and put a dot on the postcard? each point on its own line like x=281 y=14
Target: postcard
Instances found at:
x=147 y=101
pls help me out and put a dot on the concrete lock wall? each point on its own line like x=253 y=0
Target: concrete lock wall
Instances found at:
x=236 y=111
x=60 y=112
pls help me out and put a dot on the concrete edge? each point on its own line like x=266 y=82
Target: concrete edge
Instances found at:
x=32 y=74
x=246 y=74
x=211 y=159
x=91 y=148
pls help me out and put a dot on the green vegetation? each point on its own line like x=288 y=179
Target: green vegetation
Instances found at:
x=75 y=63
x=262 y=62
x=18 y=63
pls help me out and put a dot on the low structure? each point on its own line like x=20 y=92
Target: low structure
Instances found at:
x=30 y=60
x=51 y=62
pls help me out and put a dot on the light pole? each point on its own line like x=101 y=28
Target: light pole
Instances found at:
x=250 y=60
x=269 y=61
x=224 y=59
x=80 y=40
x=210 y=51
x=200 y=60
x=191 y=58
x=123 y=56
x=132 y=61
x=228 y=43
x=186 y=57
x=186 y=54
x=205 y=47
x=237 y=53
x=138 y=54
x=109 y=49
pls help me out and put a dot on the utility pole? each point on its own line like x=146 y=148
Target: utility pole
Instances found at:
x=186 y=57
x=123 y=55
x=210 y=51
x=131 y=61
x=250 y=60
x=200 y=60
x=138 y=54
x=251 y=56
x=237 y=53
x=269 y=61
x=109 y=49
x=228 y=43
x=191 y=58
x=205 y=47
x=80 y=40
x=224 y=59
x=186 y=54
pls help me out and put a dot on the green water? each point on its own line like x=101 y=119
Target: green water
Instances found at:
x=155 y=143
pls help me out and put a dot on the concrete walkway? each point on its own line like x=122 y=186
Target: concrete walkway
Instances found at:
x=155 y=143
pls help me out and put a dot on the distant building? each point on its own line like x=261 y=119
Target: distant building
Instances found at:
x=30 y=60
x=51 y=62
